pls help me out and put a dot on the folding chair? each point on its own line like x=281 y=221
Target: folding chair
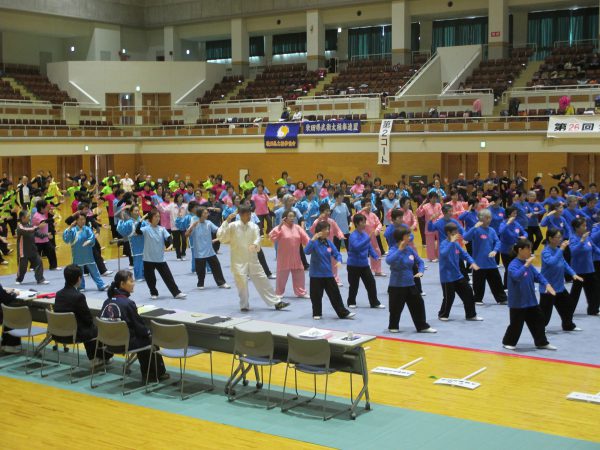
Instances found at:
x=64 y=327
x=18 y=319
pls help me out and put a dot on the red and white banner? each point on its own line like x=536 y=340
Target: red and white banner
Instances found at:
x=574 y=127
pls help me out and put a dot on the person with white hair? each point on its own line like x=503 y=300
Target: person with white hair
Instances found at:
x=244 y=239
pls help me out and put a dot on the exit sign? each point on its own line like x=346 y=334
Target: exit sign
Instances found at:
x=495 y=33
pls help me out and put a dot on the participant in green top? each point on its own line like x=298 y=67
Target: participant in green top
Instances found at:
x=174 y=183
x=209 y=183
x=72 y=189
x=283 y=180
x=248 y=184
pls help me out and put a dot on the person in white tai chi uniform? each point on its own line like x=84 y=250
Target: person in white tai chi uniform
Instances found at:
x=244 y=239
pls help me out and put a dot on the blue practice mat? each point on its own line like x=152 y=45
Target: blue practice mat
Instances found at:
x=486 y=335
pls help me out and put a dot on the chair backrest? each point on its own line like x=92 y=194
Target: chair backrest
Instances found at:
x=169 y=336
x=253 y=343
x=314 y=352
x=16 y=317
x=61 y=324
x=112 y=333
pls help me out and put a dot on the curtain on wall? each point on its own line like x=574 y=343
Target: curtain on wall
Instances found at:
x=415 y=33
x=564 y=26
x=448 y=33
x=218 y=49
x=257 y=46
x=363 y=42
x=289 y=43
x=331 y=37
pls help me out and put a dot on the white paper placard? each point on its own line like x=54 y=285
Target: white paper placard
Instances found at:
x=574 y=127
x=385 y=135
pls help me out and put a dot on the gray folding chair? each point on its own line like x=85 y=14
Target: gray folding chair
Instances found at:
x=115 y=334
x=18 y=319
x=310 y=356
x=252 y=350
x=171 y=341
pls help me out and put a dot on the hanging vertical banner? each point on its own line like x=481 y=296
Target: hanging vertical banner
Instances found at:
x=385 y=134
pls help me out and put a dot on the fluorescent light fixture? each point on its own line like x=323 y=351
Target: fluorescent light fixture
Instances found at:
x=138 y=89
x=86 y=148
x=123 y=50
x=72 y=48
x=339 y=29
x=187 y=52
x=482 y=144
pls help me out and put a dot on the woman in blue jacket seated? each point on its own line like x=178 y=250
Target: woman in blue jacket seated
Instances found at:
x=118 y=306
x=582 y=261
x=554 y=267
x=402 y=289
x=322 y=250
x=523 y=304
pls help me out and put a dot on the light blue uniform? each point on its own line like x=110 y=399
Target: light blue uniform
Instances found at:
x=126 y=228
x=83 y=256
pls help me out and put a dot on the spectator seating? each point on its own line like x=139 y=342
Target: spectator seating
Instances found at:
x=288 y=81
x=568 y=66
x=39 y=85
x=495 y=74
x=372 y=76
x=8 y=93
x=221 y=90
x=32 y=122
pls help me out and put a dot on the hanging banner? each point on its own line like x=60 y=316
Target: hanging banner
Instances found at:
x=385 y=134
x=332 y=127
x=574 y=127
x=282 y=135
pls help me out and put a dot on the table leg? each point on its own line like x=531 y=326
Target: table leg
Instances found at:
x=365 y=389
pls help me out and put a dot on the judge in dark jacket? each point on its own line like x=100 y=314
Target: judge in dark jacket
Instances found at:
x=118 y=306
x=69 y=299
x=10 y=343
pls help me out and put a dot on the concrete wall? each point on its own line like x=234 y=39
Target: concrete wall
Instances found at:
x=25 y=48
x=97 y=78
x=455 y=59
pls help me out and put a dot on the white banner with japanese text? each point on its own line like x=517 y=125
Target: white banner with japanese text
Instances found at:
x=385 y=134
x=574 y=127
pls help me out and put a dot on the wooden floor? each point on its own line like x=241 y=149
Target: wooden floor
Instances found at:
x=517 y=392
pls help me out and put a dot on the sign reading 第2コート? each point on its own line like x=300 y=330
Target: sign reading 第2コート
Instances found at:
x=385 y=132
x=282 y=135
x=574 y=127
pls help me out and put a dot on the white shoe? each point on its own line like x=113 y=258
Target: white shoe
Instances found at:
x=178 y=259
x=181 y=296
x=183 y=258
x=444 y=319
x=509 y=347
x=340 y=284
x=4 y=263
x=479 y=303
x=304 y=296
x=434 y=260
x=428 y=330
x=153 y=297
x=352 y=306
x=381 y=274
x=316 y=317
x=272 y=277
x=44 y=282
x=380 y=306
x=475 y=319
x=576 y=329
x=130 y=267
x=13 y=349
x=18 y=282
x=81 y=290
x=56 y=269
x=547 y=347
x=423 y=294
x=393 y=330
x=108 y=273
x=200 y=287
x=225 y=286
x=350 y=316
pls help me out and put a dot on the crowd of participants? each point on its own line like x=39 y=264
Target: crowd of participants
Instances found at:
x=470 y=228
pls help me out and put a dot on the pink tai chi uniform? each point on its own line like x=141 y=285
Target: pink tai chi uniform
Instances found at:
x=289 y=239
x=334 y=231
x=428 y=210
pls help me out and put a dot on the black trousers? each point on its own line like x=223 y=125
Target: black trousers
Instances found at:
x=262 y=220
x=421 y=221
x=263 y=262
x=400 y=296
x=563 y=303
x=567 y=256
x=303 y=258
x=47 y=249
x=179 y=243
x=355 y=275
x=494 y=280
x=380 y=244
x=88 y=338
x=8 y=339
x=590 y=286
x=113 y=227
x=464 y=291
x=338 y=242
x=165 y=274
x=98 y=258
x=12 y=223
x=330 y=287
x=534 y=318
x=127 y=252
x=215 y=267
x=535 y=236
x=506 y=260
x=35 y=262
x=157 y=365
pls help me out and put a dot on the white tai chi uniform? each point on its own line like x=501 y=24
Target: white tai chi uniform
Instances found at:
x=244 y=262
